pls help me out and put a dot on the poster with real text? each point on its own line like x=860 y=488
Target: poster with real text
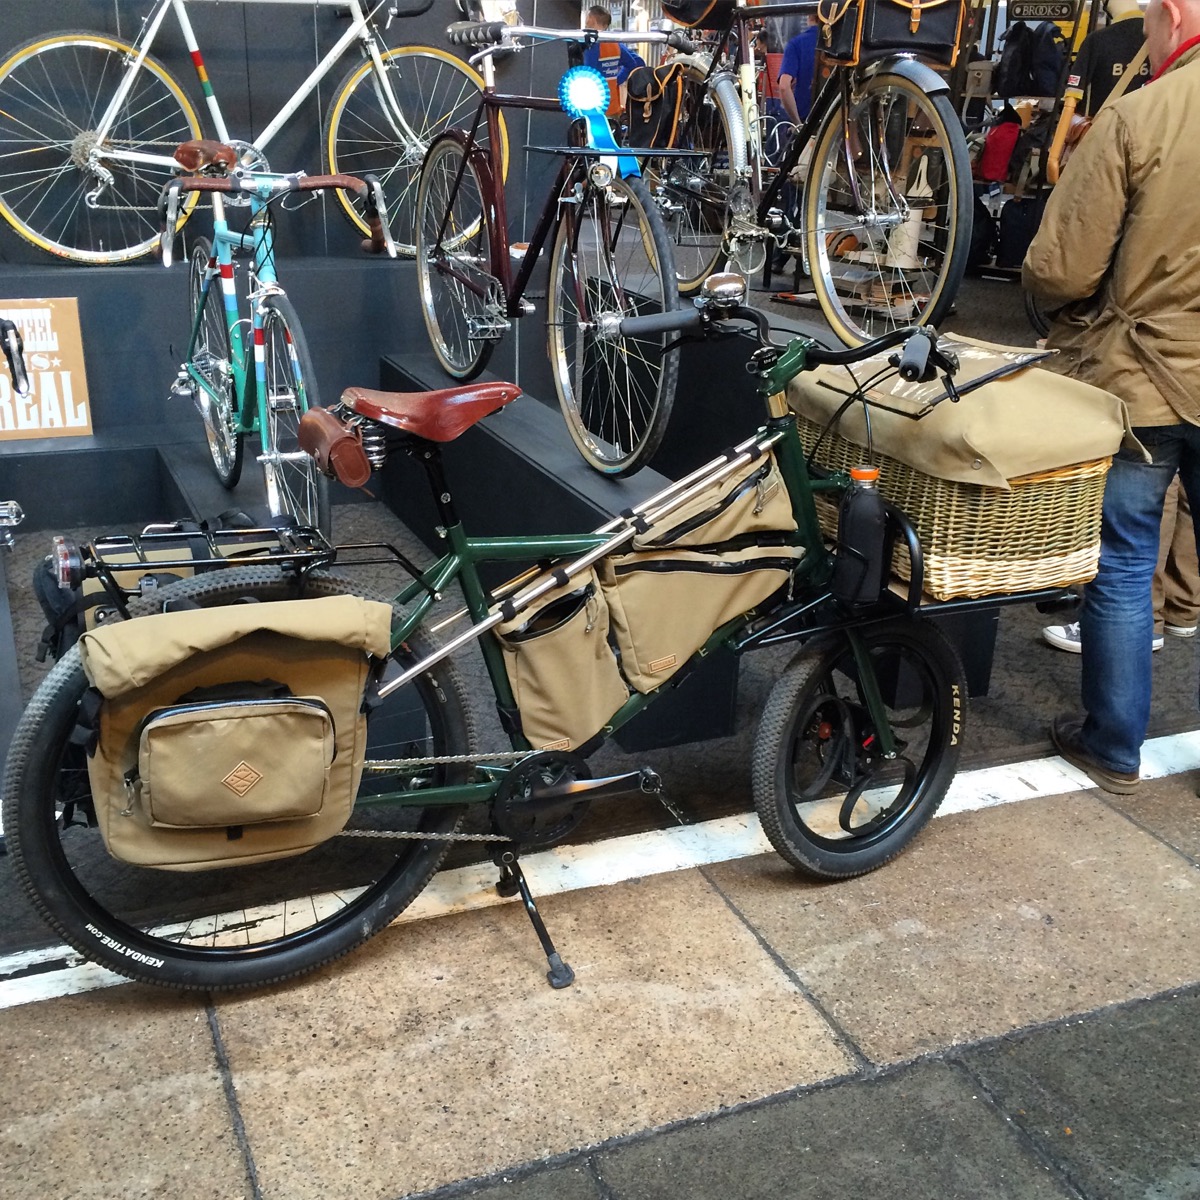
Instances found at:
x=57 y=403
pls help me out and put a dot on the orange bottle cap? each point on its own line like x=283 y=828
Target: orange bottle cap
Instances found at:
x=865 y=474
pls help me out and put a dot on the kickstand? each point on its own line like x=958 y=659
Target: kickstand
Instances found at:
x=512 y=881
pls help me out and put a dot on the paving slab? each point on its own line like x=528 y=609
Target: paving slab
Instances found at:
x=1170 y=810
x=926 y=1132
x=1112 y=1099
x=115 y=1093
x=991 y=921
x=439 y=1052
x=575 y=1182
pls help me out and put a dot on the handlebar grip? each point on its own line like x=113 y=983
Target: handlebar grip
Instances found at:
x=476 y=33
x=678 y=40
x=14 y=351
x=680 y=320
x=915 y=357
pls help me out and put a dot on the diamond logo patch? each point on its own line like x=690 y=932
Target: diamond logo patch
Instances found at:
x=241 y=779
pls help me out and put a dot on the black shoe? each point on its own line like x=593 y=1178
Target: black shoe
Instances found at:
x=1065 y=733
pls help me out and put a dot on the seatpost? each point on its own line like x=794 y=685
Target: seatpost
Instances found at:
x=431 y=459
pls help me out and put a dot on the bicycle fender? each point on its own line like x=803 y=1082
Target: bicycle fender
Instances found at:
x=724 y=89
x=926 y=78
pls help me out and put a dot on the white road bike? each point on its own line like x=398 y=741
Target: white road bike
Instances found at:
x=88 y=125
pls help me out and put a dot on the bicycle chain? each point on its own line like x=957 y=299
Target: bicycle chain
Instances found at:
x=391 y=765
x=415 y=835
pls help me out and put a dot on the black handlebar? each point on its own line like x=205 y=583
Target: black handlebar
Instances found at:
x=681 y=320
x=678 y=40
x=476 y=33
x=915 y=356
x=919 y=341
x=14 y=351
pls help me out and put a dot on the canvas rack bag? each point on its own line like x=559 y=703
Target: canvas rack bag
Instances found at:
x=1004 y=488
x=654 y=98
x=714 y=558
x=230 y=735
x=858 y=30
x=563 y=672
x=699 y=14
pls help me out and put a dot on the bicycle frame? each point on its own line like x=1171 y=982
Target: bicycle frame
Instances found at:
x=495 y=204
x=460 y=564
x=259 y=241
x=837 y=84
x=360 y=29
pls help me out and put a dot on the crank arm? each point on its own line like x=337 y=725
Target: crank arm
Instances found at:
x=644 y=780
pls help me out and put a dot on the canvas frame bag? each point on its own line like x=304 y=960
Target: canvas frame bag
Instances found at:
x=854 y=30
x=561 y=668
x=230 y=735
x=713 y=559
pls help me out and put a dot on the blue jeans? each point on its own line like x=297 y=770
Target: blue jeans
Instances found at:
x=1117 y=618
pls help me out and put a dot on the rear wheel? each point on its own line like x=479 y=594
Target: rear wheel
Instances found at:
x=887 y=210
x=434 y=91
x=212 y=363
x=295 y=487
x=612 y=259
x=61 y=187
x=695 y=194
x=460 y=298
x=246 y=925
x=829 y=802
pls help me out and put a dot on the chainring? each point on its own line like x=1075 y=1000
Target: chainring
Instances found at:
x=525 y=809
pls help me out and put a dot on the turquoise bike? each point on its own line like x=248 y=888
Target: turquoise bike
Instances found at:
x=252 y=374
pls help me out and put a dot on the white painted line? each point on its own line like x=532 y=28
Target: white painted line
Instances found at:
x=569 y=868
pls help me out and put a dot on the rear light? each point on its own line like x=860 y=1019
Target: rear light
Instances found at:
x=66 y=562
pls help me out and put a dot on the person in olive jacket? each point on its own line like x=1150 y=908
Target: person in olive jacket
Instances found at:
x=1118 y=255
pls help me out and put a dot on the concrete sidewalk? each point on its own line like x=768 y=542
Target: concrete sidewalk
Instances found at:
x=1010 y=1009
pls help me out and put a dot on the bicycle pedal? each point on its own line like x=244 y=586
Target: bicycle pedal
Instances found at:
x=487 y=329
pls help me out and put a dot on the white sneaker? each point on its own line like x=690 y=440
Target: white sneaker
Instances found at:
x=1066 y=637
x=1183 y=631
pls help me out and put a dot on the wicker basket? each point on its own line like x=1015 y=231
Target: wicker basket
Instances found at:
x=981 y=541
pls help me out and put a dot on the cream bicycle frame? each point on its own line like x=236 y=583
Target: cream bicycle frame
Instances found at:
x=360 y=29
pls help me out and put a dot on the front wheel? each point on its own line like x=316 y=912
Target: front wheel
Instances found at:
x=612 y=259
x=460 y=298
x=383 y=126
x=250 y=924
x=63 y=187
x=830 y=802
x=211 y=365
x=295 y=487
x=887 y=209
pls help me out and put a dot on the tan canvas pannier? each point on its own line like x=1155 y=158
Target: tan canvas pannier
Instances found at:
x=716 y=557
x=563 y=672
x=196 y=764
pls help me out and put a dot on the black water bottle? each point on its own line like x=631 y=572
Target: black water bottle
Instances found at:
x=858 y=569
